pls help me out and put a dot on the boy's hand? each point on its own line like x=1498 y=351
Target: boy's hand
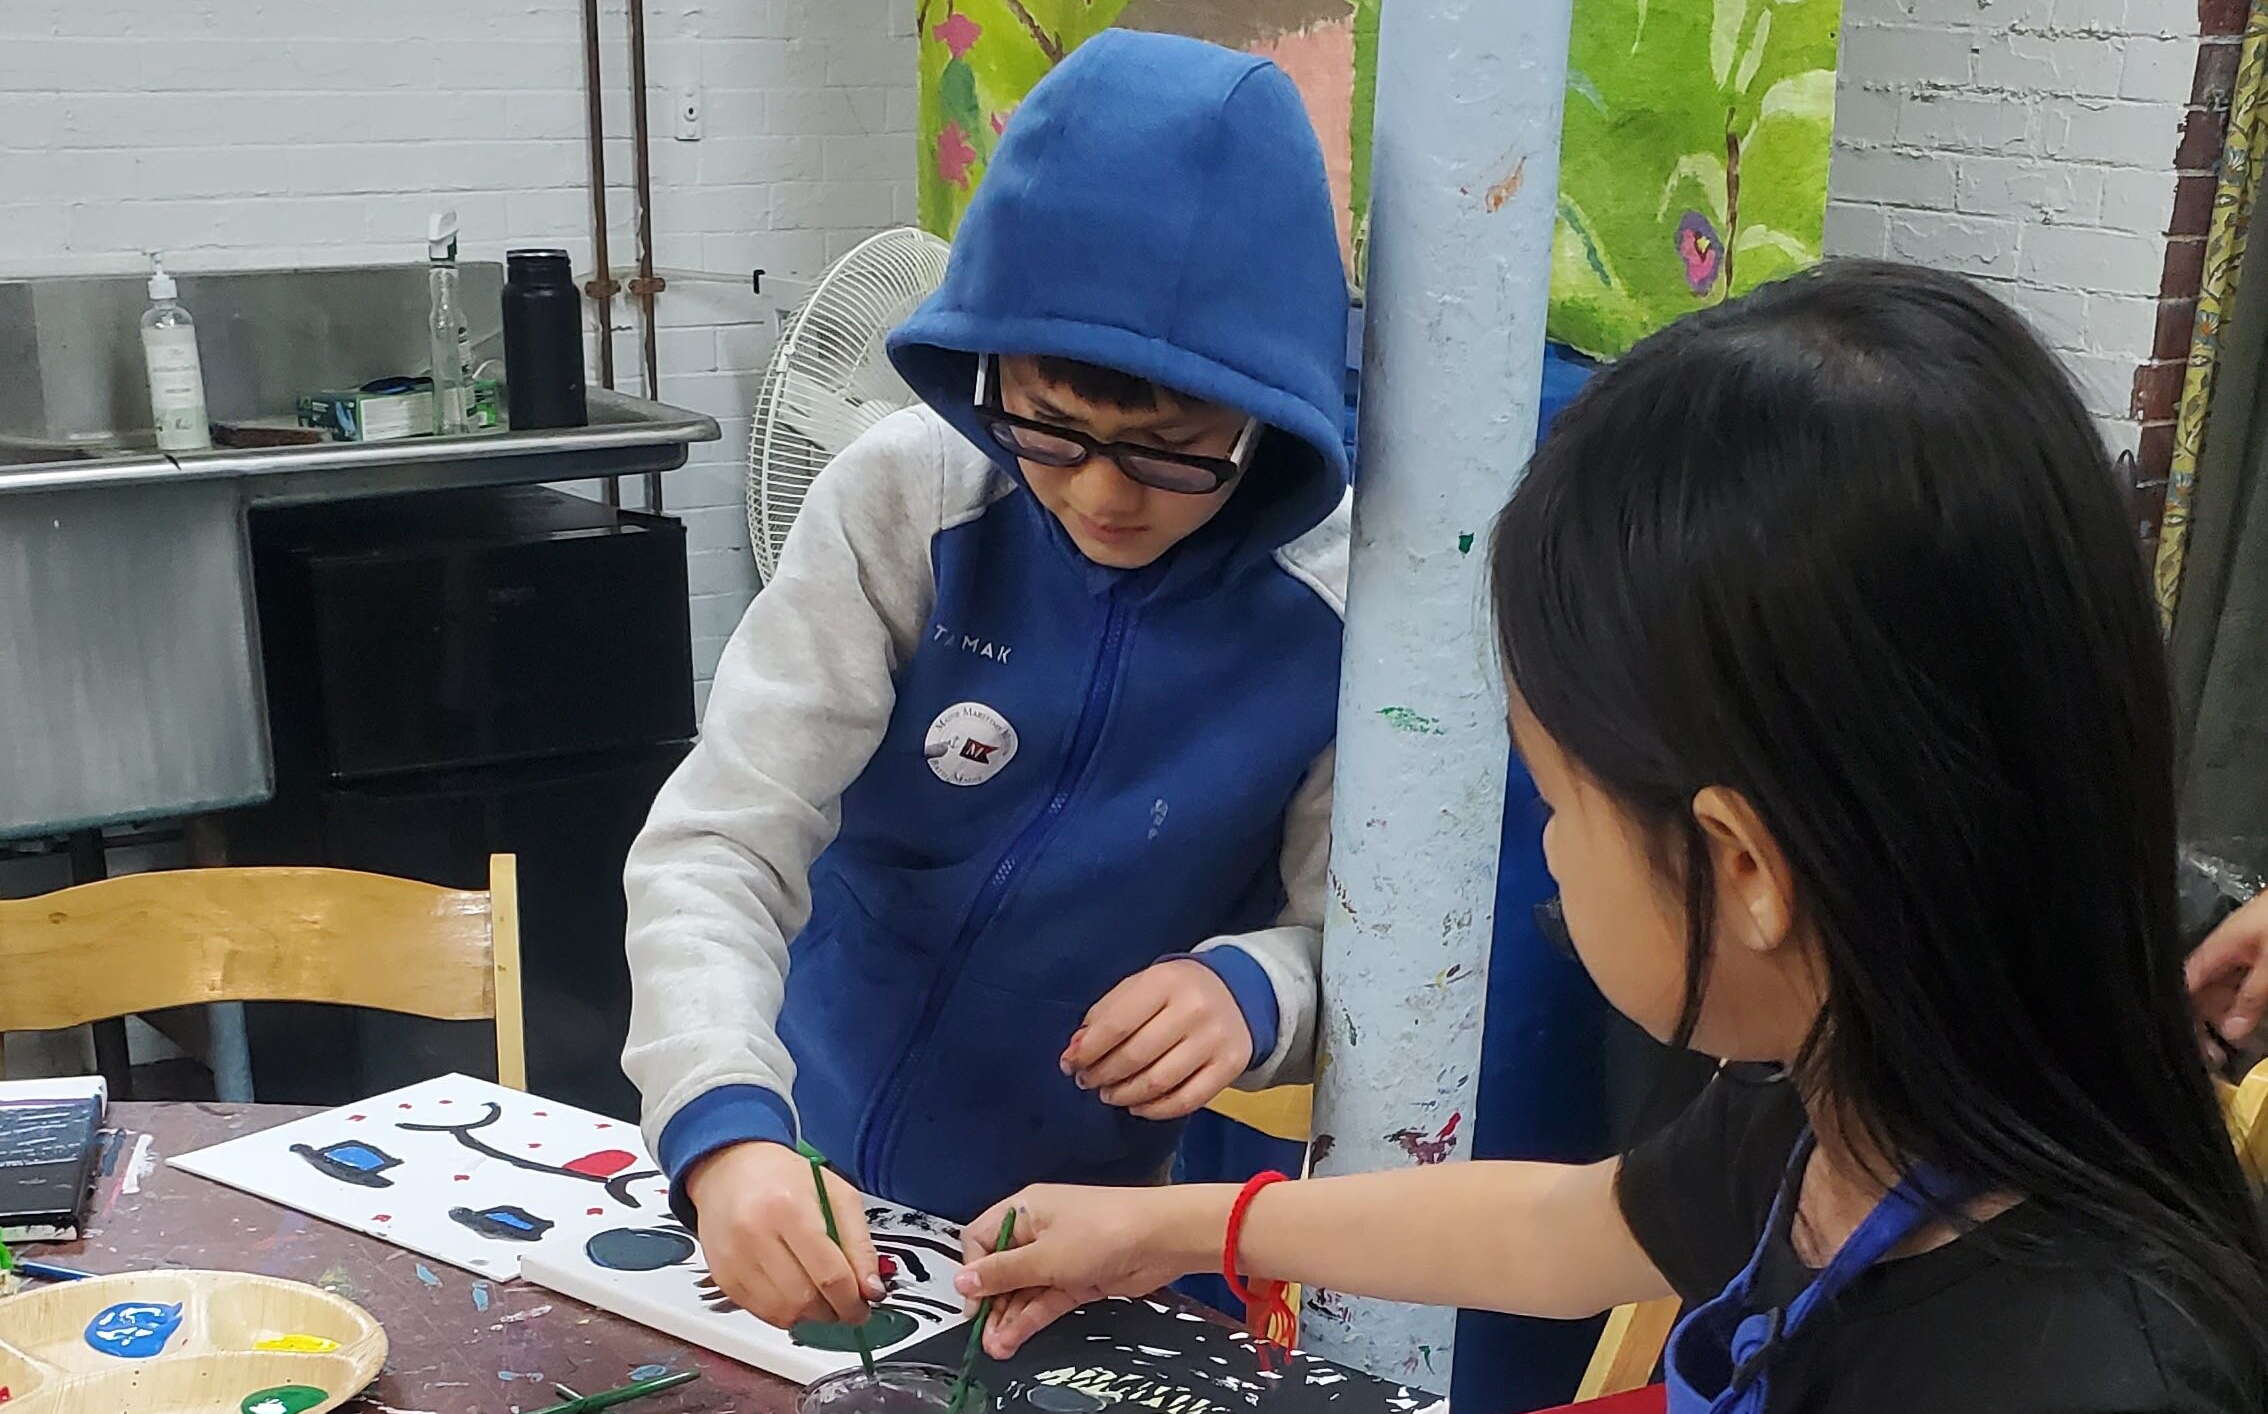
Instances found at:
x=767 y=1244
x=1075 y=1245
x=1163 y=1042
x=2228 y=974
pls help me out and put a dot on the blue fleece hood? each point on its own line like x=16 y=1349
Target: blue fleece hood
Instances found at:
x=1158 y=205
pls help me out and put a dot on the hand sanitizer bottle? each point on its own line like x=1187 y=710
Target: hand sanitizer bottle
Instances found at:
x=451 y=342
x=177 y=378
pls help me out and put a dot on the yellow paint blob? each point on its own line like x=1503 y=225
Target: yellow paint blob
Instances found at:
x=298 y=1344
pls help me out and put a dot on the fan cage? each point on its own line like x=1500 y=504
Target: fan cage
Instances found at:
x=829 y=377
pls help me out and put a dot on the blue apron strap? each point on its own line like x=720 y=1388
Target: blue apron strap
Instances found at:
x=1723 y=1335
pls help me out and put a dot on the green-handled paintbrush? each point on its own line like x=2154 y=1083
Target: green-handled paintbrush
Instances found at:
x=834 y=1235
x=976 y=1329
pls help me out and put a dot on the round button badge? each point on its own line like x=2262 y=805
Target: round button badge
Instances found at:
x=969 y=744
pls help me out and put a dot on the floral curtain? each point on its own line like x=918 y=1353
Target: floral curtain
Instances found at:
x=2224 y=257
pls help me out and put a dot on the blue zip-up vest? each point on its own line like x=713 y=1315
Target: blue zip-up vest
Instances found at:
x=1157 y=206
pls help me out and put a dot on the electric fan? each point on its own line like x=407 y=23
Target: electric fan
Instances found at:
x=829 y=378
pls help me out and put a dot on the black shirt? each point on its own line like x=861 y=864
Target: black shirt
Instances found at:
x=1969 y=1326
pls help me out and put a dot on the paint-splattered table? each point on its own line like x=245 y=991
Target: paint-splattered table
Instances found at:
x=459 y=1345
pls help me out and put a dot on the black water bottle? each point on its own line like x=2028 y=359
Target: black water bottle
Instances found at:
x=543 y=340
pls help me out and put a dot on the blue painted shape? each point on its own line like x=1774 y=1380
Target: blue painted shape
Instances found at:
x=648 y=1372
x=425 y=1274
x=134 y=1330
x=480 y=1295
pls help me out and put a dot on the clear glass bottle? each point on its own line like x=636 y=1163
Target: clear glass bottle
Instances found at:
x=451 y=340
x=177 y=376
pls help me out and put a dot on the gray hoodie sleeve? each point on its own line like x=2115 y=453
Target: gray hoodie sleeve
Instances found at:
x=718 y=881
x=1291 y=952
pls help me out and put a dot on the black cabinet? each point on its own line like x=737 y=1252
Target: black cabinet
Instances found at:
x=452 y=676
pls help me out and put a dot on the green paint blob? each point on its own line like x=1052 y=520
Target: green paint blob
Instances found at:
x=1465 y=543
x=283 y=1399
x=1402 y=719
x=884 y=1328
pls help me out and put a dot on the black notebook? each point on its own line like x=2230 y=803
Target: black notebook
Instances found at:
x=1149 y=1356
x=49 y=1140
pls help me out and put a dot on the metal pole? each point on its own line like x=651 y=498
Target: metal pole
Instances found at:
x=646 y=286
x=601 y=287
x=1465 y=170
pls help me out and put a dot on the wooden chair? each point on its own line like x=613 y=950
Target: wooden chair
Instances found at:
x=1282 y=1113
x=144 y=942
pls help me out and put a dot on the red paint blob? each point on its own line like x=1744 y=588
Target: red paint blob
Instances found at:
x=595 y=1212
x=354 y=1119
x=886 y=1263
x=462 y=1177
x=539 y=1114
x=403 y=1105
x=383 y=1218
x=448 y=1102
x=603 y=1163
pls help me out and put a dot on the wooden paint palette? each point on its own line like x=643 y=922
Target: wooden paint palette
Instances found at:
x=171 y=1342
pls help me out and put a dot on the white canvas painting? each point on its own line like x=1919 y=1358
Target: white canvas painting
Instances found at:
x=653 y=1273
x=456 y=1169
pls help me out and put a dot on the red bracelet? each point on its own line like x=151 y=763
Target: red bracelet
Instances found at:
x=1267 y=1315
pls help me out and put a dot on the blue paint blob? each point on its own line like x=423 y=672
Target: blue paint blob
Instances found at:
x=134 y=1330
x=648 y=1372
x=425 y=1274
x=480 y=1295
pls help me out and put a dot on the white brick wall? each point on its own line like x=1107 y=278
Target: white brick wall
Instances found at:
x=238 y=133
x=2027 y=142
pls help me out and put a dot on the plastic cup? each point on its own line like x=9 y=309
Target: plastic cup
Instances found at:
x=891 y=1389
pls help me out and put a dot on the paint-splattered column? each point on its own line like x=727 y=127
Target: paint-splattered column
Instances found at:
x=1465 y=167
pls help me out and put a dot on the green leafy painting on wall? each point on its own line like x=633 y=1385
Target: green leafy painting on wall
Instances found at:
x=1693 y=161
x=980 y=57
x=978 y=60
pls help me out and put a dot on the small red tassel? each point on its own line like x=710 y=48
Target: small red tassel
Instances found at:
x=1267 y=1315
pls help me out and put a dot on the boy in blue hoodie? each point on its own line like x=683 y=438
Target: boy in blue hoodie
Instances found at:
x=1003 y=847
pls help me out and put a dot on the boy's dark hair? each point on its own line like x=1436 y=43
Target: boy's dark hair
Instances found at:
x=1110 y=387
x=1850 y=546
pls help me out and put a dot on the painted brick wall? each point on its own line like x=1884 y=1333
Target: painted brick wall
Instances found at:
x=2030 y=143
x=238 y=133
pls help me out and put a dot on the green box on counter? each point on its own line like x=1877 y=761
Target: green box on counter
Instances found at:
x=361 y=415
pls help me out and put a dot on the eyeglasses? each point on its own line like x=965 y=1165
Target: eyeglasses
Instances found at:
x=1185 y=473
x=1551 y=923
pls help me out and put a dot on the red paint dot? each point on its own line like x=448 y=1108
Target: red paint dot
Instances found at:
x=595 y=1212
x=534 y=1144
x=354 y=1119
x=383 y=1218
x=462 y=1177
x=887 y=1263
x=540 y=1114
x=448 y=1102
x=403 y=1105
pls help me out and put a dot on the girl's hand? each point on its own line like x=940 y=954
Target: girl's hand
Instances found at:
x=1163 y=1042
x=2228 y=974
x=1075 y=1245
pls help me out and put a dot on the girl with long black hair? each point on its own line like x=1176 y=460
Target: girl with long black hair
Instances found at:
x=1829 y=650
